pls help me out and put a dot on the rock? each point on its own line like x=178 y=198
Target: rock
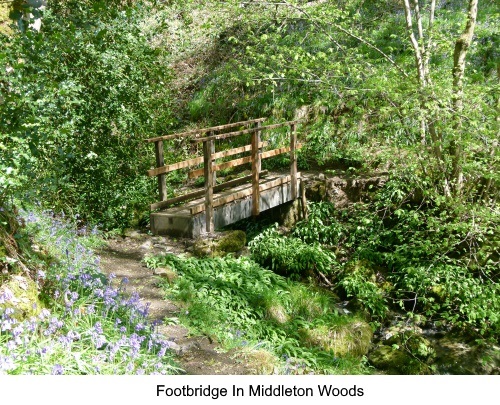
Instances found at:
x=220 y=245
x=390 y=359
x=148 y=245
x=166 y=272
x=20 y=294
x=203 y=248
x=316 y=191
x=133 y=233
x=456 y=357
x=342 y=191
x=232 y=242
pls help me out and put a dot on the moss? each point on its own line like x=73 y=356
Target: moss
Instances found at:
x=24 y=301
x=203 y=248
x=350 y=339
x=232 y=242
x=389 y=358
x=166 y=273
x=395 y=360
x=316 y=191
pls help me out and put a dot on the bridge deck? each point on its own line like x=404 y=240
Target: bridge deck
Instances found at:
x=230 y=205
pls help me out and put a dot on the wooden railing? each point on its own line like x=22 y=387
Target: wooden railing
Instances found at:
x=210 y=165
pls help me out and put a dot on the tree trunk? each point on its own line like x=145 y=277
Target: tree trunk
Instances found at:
x=459 y=55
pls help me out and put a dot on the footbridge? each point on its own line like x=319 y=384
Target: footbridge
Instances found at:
x=218 y=203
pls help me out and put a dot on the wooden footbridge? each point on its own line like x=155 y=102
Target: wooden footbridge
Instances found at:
x=217 y=205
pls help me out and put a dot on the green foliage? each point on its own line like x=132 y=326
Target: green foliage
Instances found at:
x=245 y=306
x=444 y=256
x=366 y=292
x=289 y=255
x=319 y=226
x=77 y=100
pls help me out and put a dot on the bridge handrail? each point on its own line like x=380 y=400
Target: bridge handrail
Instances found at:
x=203 y=130
x=244 y=131
x=210 y=167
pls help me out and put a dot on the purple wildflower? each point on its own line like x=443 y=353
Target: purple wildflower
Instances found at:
x=98 y=328
x=57 y=370
x=6 y=363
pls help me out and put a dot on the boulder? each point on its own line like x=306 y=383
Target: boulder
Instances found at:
x=231 y=242
x=20 y=293
x=220 y=245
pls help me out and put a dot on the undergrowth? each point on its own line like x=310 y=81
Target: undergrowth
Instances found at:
x=434 y=257
x=247 y=307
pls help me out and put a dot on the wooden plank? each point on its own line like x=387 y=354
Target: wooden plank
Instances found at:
x=208 y=147
x=200 y=131
x=226 y=165
x=175 y=200
x=235 y=151
x=293 y=160
x=223 y=200
x=279 y=151
x=201 y=193
x=256 y=164
x=274 y=183
x=160 y=161
x=241 y=194
x=233 y=163
x=245 y=131
x=275 y=152
x=303 y=199
x=175 y=166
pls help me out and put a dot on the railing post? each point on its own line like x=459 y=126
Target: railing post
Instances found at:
x=293 y=161
x=256 y=166
x=160 y=162
x=208 y=150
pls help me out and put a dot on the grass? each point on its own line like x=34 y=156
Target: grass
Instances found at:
x=259 y=313
x=84 y=325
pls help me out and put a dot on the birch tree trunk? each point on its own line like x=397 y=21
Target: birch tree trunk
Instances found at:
x=459 y=55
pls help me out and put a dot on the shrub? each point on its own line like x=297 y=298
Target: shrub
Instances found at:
x=290 y=256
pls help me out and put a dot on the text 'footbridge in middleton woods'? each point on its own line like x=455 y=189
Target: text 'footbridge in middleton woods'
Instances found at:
x=217 y=205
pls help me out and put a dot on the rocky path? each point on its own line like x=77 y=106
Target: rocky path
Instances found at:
x=123 y=257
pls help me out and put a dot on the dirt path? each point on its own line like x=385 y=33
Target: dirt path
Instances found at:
x=123 y=257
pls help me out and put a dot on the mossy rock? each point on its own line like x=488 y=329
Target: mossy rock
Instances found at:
x=203 y=248
x=413 y=342
x=22 y=297
x=166 y=273
x=231 y=242
x=420 y=347
x=316 y=191
x=395 y=360
x=438 y=292
x=228 y=242
x=455 y=356
x=350 y=339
